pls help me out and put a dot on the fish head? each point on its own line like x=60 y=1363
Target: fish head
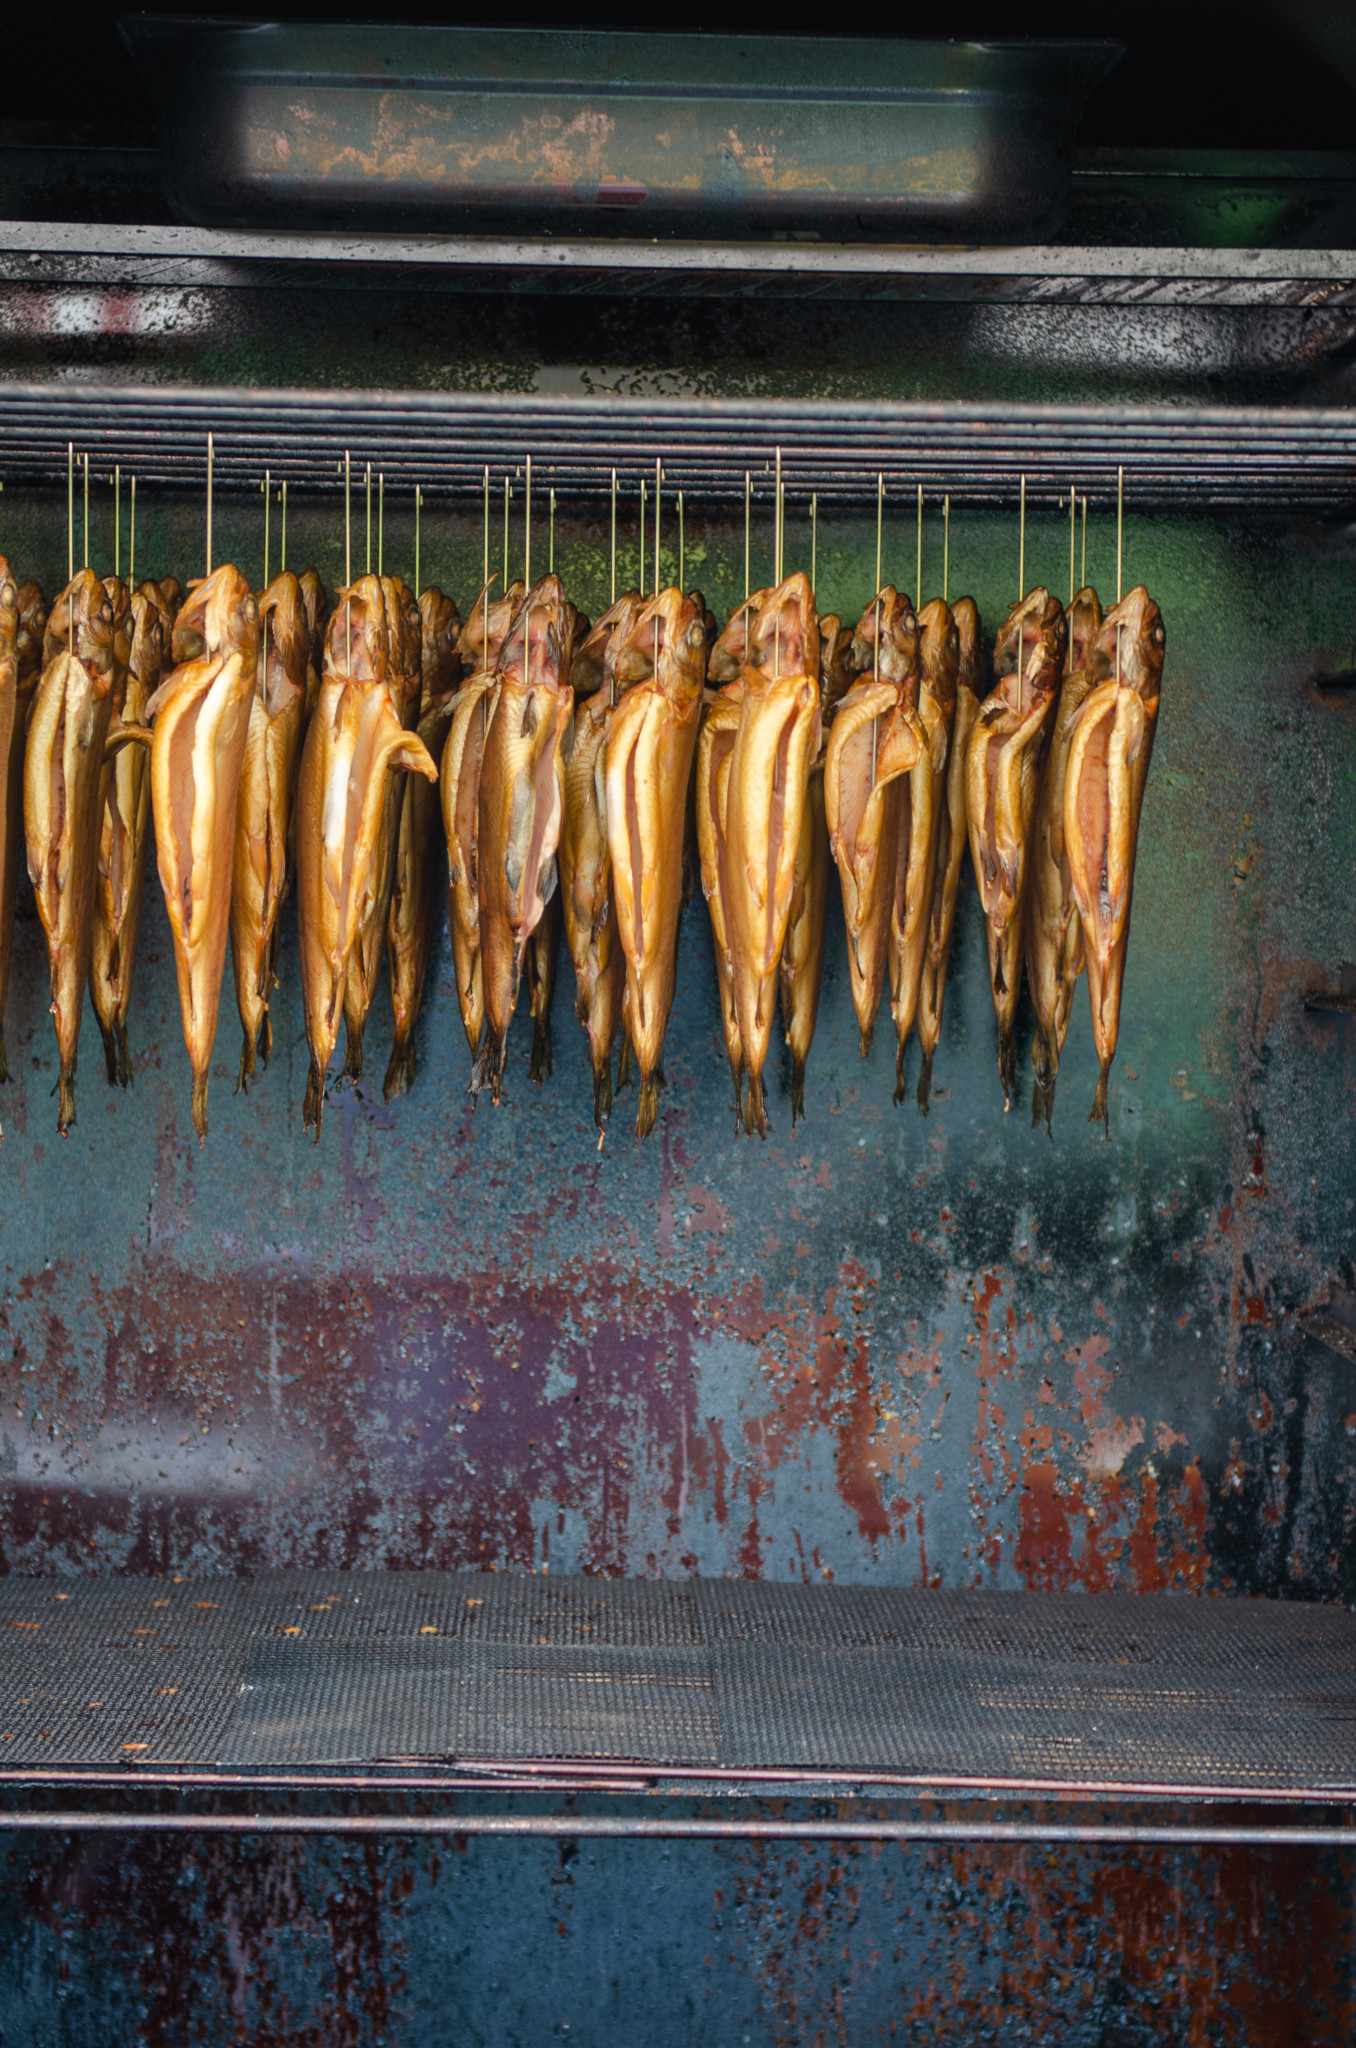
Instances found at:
x=439 y=648
x=594 y=659
x=32 y=627
x=889 y=620
x=9 y=608
x=313 y=597
x=120 y=597
x=1131 y=643
x=736 y=647
x=474 y=632
x=534 y=652
x=172 y=596
x=150 y=636
x=786 y=636
x=667 y=642
x=1085 y=623
x=939 y=649
x=835 y=663
x=357 y=644
x=222 y=614
x=284 y=642
x=81 y=620
x=970 y=645
x=1028 y=655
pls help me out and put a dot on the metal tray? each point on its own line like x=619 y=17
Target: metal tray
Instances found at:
x=569 y=131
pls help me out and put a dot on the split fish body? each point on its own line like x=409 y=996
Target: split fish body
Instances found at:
x=543 y=947
x=263 y=830
x=775 y=745
x=1004 y=762
x=1103 y=792
x=715 y=746
x=354 y=741
x=62 y=799
x=125 y=835
x=520 y=806
x=413 y=914
x=201 y=715
x=648 y=759
x=876 y=739
x=587 y=903
x=1054 y=935
x=922 y=807
x=12 y=764
x=404 y=633
x=951 y=844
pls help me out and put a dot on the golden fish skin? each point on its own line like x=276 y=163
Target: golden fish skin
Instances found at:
x=715 y=746
x=125 y=839
x=736 y=648
x=1103 y=792
x=649 y=753
x=463 y=752
x=63 y=797
x=587 y=905
x=776 y=742
x=521 y=803
x=12 y=763
x=314 y=599
x=876 y=737
x=922 y=804
x=201 y=716
x=413 y=914
x=28 y=639
x=404 y=630
x=268 y=773
x=1003 y=769
x=354 y=741
x=802 y=965
x=952 y=839
x=1053 y=934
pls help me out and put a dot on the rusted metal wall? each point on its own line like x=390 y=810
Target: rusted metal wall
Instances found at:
x=879 y=1347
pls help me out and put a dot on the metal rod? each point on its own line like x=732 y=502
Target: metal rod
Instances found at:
x=117 y=519
x=551 y=537
x=1073 y=517
x=918 y=577
x=348 y=520
x=1120 y=538
x=658 y=492
x=613 y=598
x=268 y=496
x=576 y=1826
x=777 y=524
x=508 y=497
x=132 y=537
x=682 y=547
x=946 y=550
x=367 y=485
x=1083 y=580
x=485 y=581
x=418 y=508
x=748 y=493
x=527 y=529
x=282 y=539
x=381 y=523
x=640 y=573
x=70 y=515
x=86 y=468
x=875 y=655
x=814 y=540
x=1021 y=548
x=210 y=452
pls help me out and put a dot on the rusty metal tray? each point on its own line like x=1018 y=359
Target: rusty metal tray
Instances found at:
x=582 y=132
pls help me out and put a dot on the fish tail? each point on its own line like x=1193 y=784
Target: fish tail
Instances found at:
x=797 y=1088
x=1100 y=1113
x=110 y=1039
x=1042 y=1105
x=1007 y=1066
x=266 y=1035
x=314 y=1106
x=242 y=1086
x=602 y=1090
x=200 y=1106
x=737 y=1076
x=353 y=1052
x=124 y=1055
x=66 y=1096
x=647 y=1109
x=624 y=1065
x=542 y=1066
x=487 y=1069
x=1044 y=1058
x=900 y=1090
x=925 y=1083
x=867 y=1031
x=755 y=1112
x=400 y=1070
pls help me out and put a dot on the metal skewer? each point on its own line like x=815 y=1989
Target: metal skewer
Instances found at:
x=1120 y=545
x=1073 y=514
x=777 y=526
x=381 y=523
x=486 y=578
x=418 y=508
x=814 y=541
x=551 y=537
x=210 y=452
x=658 y=488
x=268 y=498
x=918 y=579
x=132 y=538
x=368 y=485
x=640 y=570
x=70 y=511
x=508 y=495
x=1021 y=548
x=946 y=549
x=748 y=492
x=86 y=465
x=682 y=547
x=613 y=599
x=1084 y=578
x=875 y=659
x=527 y=528
x=282 y=538
x=117 y=520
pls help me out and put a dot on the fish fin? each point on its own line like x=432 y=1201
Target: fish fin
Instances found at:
x=66 y=1097
x=925 y=1083
x=242 y=1086
x=624 y=1065
x=755 y=1110
x=200 y=1107
x=314 y=1106
x=1100 y=1113
x=602 y=1091
x=400 y=1071
x=352 y=1068
x=647 y=1110
x=1007 y=1067
x=266 y=1034
x=487 y=1069
x=900 y=1090
x=797 y=1089
x=1043 y=1104
x=541 y=1067
x=110 y=1039
x=866 y=1032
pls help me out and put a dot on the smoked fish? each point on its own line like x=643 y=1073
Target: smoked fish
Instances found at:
x=588 y=906
x=354 y=740
x=12 y=763
x=648 y=758
x=1003 y=767
x=1104 y=788
x=63 y=796
x=802 y=968
x=201 y=717
x=776 y=741
x=261 y=873
x=28 y=639
x=1054 y=935
x=952 y=839
x=125 y=834
x=521 y=803
x=922 y=804
x=876 y=738
x=417 y=889
x=715 y=746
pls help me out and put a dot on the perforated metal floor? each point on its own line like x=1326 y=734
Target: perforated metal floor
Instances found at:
x=331 y=1668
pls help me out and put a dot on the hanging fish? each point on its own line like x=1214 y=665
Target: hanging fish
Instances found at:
x=715 y=746
x=63 y=790
x=353 y=742
x=802 y=968
x=1104 y=788
x=201 y=715
x=30 y=623
x=404 y=632
x=413 y=915
x=775 y=743
x=314 y=598
x=171 y=597
x=521 y=804
x=877 y=736
x=262 y=873
x=586 y=899
x=951 y=843
x=648 y=759
x=922 y=802
x=736 y=648
x=1002 y=783
x=543 y=947
x=11 y=762
x=1054 y=936
x=463 y=751
x=125 y=837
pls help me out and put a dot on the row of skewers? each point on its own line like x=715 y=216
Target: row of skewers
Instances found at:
x=549 y=773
